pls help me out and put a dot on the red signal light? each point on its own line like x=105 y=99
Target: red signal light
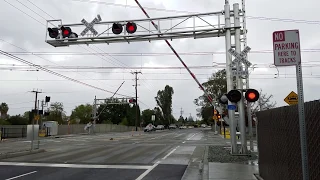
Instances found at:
x=131 y=27
x=252 y=95
x=66 y=31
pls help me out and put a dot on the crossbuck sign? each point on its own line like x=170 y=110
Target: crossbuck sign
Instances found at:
x=89 y=26
x=240 y=57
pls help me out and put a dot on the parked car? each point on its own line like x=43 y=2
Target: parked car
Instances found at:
x=160 y=127
x=172 y=126
x=203 y=125
x=183 y=127
x=149 y=127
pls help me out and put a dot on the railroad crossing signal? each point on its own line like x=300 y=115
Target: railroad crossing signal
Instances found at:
x=251 y=95
x=89 y=26
x=240 y=57
x=292 y=98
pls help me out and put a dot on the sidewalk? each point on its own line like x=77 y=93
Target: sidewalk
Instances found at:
x=224 y=166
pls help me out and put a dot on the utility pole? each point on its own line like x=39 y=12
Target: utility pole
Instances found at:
x=94 y=109
x=181 y=112
x=35 y=108
x=136 y=87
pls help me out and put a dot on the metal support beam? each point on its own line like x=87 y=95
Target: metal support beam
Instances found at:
x=231 y=113
x=241 y=110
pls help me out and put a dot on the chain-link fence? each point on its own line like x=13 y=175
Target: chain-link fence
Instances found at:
x=279 y=142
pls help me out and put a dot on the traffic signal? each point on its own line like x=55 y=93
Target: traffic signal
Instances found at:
x=252 y=95
x=218 y=116
x=47 y=99
x=132 y=100
x=234 y=96
x=131 y=27
x=117 y=28
x=67 y=32
x=53 y=32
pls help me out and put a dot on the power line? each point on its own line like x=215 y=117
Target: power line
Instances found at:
x=140 y=54
x=52 y=72
x=40 y=9
x=195 y=12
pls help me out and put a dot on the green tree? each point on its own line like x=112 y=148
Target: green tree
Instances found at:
x=18 y=120
x=215 y=86
x=82 y=112
x=164 y=101
x=146 y=116
x=56 y=112
x=4 y=108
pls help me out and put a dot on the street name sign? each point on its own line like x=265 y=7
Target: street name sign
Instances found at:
x=286 y=48
x=292 y=98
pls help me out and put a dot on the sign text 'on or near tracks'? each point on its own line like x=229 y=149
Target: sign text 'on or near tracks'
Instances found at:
x=286 y=48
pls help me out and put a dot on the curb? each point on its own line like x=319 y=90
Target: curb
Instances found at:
x=257 y=176
x=205 y=164
x=23 y=153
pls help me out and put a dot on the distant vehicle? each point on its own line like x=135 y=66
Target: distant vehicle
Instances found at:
x=160 y=127
x=190 y=127
x=172 y=126
x=203 y=125
x=183 y=127
x=149 y=128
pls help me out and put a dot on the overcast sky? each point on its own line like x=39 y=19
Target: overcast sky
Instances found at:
x=25 y=28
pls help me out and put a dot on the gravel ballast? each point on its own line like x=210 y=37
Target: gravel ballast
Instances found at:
x=222 y=154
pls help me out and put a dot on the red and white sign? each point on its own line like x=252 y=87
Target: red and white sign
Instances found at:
x=286 y=48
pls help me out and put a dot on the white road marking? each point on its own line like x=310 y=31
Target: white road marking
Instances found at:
x=147 y=171
x=170 y=152
x=21 y=175
x=192 y=136
x=92 y=166
x=155 y=165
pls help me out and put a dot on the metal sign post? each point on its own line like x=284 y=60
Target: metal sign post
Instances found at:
x=286 y=50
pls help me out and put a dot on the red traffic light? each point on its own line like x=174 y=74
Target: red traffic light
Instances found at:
x=252 y=95
x=131 y=27
x=53 y=32
x=66 y=31
x=117 y=28
x=132 y=100
x=234 y=96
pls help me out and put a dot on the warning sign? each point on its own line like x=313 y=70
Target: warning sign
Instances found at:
x=292 y=98
x=286 y=48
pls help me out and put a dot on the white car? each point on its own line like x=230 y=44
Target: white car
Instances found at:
x=149 y=127
x=160 y=127
x=183 y=127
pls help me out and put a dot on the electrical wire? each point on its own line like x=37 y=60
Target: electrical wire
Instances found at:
x=204 y=53
x=54 y=73
x=195 y=12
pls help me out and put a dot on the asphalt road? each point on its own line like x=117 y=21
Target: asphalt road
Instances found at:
x=149 y=156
